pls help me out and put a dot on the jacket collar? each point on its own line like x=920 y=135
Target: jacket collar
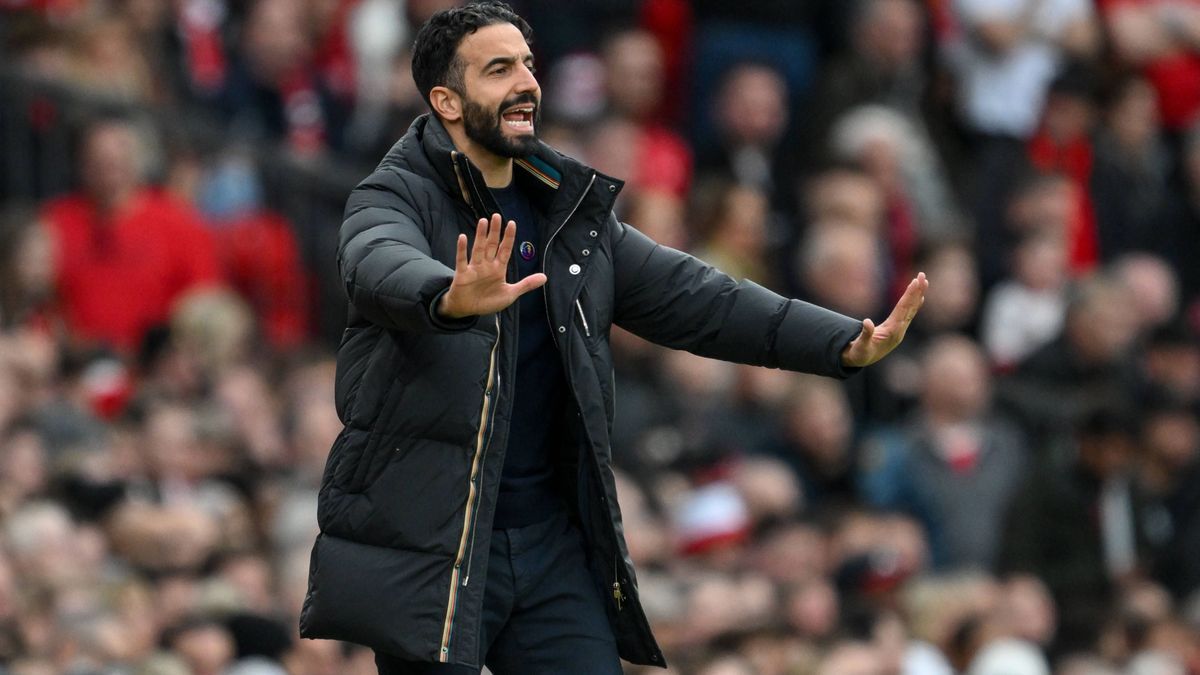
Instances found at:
x=428 y=150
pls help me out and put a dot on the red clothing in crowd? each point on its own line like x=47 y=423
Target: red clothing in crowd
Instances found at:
x=261 y=261
x=664 y=161
x=1074 y=160
x=119 y=274
x=1175 y=75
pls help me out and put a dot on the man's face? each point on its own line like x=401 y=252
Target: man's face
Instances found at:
x=501 y=97
x=109 y=161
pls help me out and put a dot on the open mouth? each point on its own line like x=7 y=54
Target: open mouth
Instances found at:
x=519 y=118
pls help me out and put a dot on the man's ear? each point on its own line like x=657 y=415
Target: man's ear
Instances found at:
x=446 y=103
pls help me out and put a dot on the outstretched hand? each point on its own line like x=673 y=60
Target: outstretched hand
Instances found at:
x=480 y=285
x=876 y=342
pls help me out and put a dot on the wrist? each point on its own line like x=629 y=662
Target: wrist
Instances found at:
x=445 y=307
x=443 y=321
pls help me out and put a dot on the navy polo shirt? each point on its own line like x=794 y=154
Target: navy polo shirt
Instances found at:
x=527 y=491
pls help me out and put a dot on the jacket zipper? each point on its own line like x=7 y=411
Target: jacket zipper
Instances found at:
x=478 y=492
x=546 y=250
x=472 y=499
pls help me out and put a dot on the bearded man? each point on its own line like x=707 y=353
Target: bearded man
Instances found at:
x=468 y=513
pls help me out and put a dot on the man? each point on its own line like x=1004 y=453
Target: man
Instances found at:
x=117 y=237
x=468 y=512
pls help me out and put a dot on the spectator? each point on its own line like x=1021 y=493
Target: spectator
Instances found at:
x=953 y=309
x=634 y=68
x=379 y=124
x=1169 y=473
x=119 y=238
x=27 y=268
x=1009 y=656
x=734 y=232
x=206 y=646
x=752 y=113
x=883 y=67
x=1159 y=37
x=1172 y=362
x=955 y=466
x=771 y=32
x=1042 y=204
x=816 y=443
x=852 y=658
x=1008 y=54
x=917 y=200
x=1099 y=542
x=839 y=267
x=274 y=90
x=259 y=254
x=1154 y=287
x=182 y=46
x=1129 y=178
x=1062 y=144
x=662 y=217
x=1085 y=366
x=845 y=193
x=1005 y=55
x=1183 y=221
x=1025 y=312
x=109 y=63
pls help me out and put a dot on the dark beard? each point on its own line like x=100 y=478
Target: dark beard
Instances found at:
x=483 y=127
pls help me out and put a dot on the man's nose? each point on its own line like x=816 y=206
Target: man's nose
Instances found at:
x=526 y=81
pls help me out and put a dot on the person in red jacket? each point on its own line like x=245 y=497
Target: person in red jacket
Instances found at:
x=126 y=251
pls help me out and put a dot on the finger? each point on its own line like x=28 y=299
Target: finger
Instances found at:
x=906 y=308
x=460 y=254
x=507 y=242
x=480 y=241
x=529 y=283
x=493 y=237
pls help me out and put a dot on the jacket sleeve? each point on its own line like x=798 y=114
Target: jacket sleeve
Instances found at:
x=386 y=264
x=675 y=300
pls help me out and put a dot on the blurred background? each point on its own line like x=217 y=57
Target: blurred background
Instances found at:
x=1015 y=491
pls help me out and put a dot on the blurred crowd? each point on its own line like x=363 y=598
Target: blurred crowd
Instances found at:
x=1015 y=491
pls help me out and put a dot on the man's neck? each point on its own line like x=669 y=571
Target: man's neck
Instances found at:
x=111 y=204
x=497 y=171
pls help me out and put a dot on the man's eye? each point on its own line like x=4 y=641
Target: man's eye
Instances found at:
x=532 y=68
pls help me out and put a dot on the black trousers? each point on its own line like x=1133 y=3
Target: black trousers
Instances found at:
x=542 y=613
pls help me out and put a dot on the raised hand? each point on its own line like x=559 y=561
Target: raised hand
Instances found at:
x=480 y=285
x=874 y=343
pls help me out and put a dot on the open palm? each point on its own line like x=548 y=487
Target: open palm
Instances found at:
x=480 y=284
x=876 y=342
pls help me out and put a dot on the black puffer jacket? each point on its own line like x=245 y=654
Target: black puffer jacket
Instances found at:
x=410 y=486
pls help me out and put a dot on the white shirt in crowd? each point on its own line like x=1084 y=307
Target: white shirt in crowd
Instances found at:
x=1003 y=94
x=1017 y=320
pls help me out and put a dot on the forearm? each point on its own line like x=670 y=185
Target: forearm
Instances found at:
x=675 y=300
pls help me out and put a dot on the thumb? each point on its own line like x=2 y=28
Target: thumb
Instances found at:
x=529 y=283
x=868 y=329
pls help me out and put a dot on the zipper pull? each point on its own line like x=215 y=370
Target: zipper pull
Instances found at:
x=617 y=595
x=586 y=331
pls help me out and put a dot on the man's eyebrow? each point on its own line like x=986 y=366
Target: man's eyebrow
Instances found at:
x=506 y=60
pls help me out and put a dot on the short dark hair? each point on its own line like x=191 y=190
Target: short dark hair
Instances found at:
x=435 y=59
